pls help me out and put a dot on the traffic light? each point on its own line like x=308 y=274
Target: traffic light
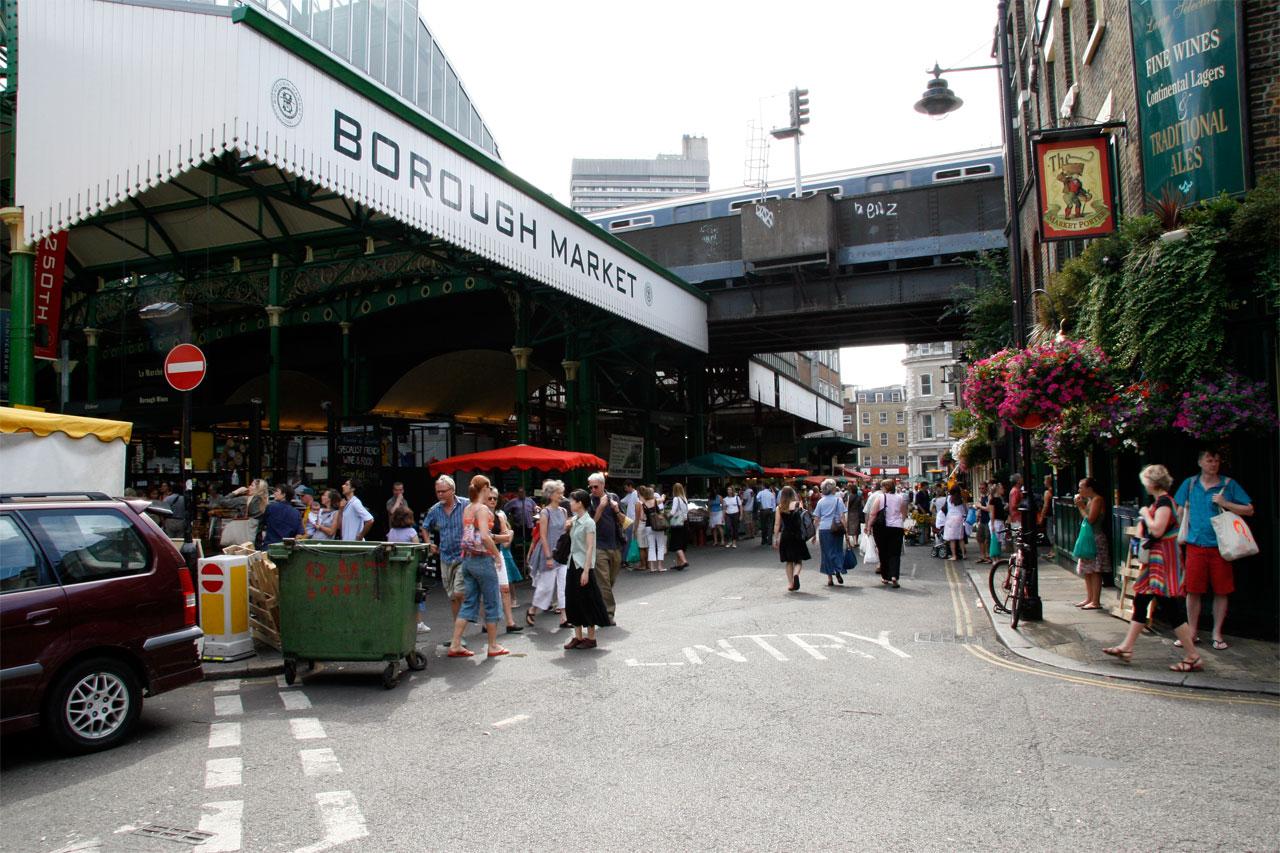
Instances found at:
x=799 y=107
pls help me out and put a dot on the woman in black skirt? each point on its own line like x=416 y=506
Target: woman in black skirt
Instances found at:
x=583 y=605
x=788 y=536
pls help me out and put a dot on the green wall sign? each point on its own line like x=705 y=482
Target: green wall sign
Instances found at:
x=1187 y=66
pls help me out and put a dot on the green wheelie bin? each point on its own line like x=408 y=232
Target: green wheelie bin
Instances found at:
x=348 y=601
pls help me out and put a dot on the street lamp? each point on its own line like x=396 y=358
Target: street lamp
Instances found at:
x=939 y=100
x=166 y=312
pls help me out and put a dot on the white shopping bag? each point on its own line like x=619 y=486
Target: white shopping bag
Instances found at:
x=1235 y=539
x=870 y=556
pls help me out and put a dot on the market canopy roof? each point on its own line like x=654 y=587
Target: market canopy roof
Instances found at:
x=254 y=142
x=726 y=465
x=785 y=472
x=46 y=423
x=688 y=469
x=518 y=457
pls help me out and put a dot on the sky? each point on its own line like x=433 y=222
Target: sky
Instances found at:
x=566 y=79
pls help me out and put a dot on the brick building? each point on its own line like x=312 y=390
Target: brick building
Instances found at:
x=1075 y=66
x=878 y=416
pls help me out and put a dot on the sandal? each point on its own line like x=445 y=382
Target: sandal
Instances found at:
x=530 y=616
x=461 y=653
x=1221 y=644
x=498 y=652
x=1195 y=664
x=1125 y=655
x=1177 y=644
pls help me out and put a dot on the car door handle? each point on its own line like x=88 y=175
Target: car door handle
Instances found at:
x=42 y=617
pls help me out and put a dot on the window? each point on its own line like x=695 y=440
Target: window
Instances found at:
x=884 y=417
x=927 y=462
x=926 y=426
x=1068 y=58
x=90 y=545
x=895 y=397
x=866 y=418
x=848 y=419
x=902 y=460
x=884 y=460
x=866 y=436
x=884 y=439
x=19 y=565
x=862 y=398
x=926 y=385
x=879 y=398
x=902 y=417
x=902 y=438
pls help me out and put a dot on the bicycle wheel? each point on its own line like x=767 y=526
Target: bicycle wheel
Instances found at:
x=1000 y=582
x=1019 y=582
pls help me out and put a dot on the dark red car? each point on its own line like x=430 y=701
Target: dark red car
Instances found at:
x=96 y=608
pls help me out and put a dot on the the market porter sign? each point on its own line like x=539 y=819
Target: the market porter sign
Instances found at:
x=1075 y=188
x=1187 y=65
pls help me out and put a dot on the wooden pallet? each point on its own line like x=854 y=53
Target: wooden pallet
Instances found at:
x=264 y=595
x=1126 y=576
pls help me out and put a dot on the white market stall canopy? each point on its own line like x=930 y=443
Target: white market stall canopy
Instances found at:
x=122 y=104
x=47 y=452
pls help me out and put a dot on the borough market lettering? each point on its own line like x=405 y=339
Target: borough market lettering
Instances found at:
x=386 y=157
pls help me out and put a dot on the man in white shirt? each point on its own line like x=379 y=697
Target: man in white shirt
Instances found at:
x=767 y=502
x=356 y=520
x=749 y=510
x=628 y=504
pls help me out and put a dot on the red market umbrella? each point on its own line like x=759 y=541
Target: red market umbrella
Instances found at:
x=518 y=457
x=856 y=474
x=786 y=472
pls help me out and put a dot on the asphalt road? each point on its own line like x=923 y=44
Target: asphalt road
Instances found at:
x=722 y=714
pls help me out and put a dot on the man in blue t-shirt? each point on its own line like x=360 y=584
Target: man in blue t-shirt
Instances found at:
x=281 y=520
x=1200 y=499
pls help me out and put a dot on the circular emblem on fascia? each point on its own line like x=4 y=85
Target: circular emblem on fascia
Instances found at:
x=286 y=101
x=648 y=293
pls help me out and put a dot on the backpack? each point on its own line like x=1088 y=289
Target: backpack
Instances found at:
x=807 y=528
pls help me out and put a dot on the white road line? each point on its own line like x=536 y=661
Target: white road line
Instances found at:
x=319 y=762
x=306 y=728
x=223 y=735
x=223 y=820
x=518 y=718
x=222 y=772
x=295 y=700
x=227 y=706
x=343 y=822
x=634 y=662
x=227 y=685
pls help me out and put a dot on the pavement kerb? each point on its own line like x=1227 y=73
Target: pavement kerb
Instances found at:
x=262 y=666
x=1026 y=649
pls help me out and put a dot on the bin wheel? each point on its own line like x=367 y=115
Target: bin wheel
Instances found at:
x=416 y=660
x=290 y=672
x=390 y=675
x=311 y=666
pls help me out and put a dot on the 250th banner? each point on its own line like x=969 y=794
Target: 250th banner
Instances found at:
x=1187 y=65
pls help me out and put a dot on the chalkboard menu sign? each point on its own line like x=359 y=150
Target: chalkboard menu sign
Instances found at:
x=360 y=452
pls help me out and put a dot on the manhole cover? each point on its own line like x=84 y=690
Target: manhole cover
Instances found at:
x=939 y=637
x=173 y=833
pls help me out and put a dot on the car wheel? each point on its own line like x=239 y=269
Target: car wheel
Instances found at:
x=94 y=705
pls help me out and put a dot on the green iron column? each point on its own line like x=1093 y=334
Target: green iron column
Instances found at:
x=698 y=406
x=522 y=354
x=274 y=310
x=22 y=367
x=650 y=450
x=345 y=326
x=587 y=398
x=91 y=363
x=570 y=403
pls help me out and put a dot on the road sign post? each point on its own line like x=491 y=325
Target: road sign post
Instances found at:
x=184 y=370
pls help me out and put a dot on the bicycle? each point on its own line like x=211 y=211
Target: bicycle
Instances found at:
x=1009 y=577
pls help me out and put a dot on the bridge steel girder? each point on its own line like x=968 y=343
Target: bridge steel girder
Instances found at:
x=852 y=310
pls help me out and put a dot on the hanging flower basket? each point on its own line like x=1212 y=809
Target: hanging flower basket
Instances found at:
x=1135 y=412
x=1043 y=380
x=984 y=385
x=1073 y=434
x=1214 y=409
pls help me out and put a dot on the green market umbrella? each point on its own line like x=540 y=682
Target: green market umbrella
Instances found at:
x=725 y=465
x=687 y=469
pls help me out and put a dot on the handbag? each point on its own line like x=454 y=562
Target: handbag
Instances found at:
x=1235 y=540
x=633 y=551
x=1085 y=548
x=850 y=559
x=655 y=519
x=560 y=554
x=238 y=531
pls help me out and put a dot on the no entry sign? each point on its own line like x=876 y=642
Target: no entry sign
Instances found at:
x=211 y=577
x=184 y=367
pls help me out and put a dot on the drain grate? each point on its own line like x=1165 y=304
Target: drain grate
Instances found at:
x=173 y=833
x=939 y=637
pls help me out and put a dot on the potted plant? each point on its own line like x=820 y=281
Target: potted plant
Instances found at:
x=1044 y=380
x=1213 y=409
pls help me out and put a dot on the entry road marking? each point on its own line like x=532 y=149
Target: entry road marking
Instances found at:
x=222 y=772
x=223 y=735
x=518 y=718
x=227 y=685
x=223 y=820
x=227 y=706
